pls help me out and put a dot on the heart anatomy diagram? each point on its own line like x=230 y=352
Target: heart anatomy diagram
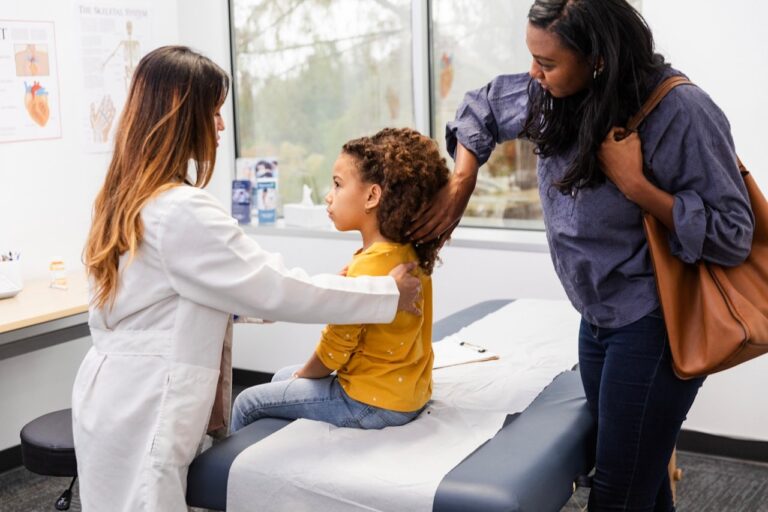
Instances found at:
x=36 y=103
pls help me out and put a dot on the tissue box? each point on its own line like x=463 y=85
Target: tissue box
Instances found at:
x=306 y=216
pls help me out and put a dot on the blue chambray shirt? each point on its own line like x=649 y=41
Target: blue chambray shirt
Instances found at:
x=596 y=236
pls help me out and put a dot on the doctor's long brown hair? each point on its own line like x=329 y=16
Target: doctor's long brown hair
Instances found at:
x=168 y=119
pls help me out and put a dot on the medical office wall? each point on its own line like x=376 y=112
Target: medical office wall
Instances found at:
x=48 y=184
x=722 y=47
x=76 y=58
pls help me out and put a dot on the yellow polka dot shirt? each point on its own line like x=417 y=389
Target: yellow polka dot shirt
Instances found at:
x=384 y=365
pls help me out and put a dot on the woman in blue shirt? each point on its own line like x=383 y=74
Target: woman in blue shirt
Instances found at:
x=593 y=67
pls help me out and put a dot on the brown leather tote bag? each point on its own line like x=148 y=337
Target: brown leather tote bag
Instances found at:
x=717 y=317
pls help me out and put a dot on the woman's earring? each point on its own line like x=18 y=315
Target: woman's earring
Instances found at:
x=596 y=72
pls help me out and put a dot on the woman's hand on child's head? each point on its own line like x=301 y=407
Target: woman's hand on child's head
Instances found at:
x=409 y=287
x=439 y=218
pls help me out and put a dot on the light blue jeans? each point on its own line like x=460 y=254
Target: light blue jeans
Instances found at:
x=314 y=399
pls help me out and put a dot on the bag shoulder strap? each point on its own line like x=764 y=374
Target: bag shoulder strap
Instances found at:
x=656 y=96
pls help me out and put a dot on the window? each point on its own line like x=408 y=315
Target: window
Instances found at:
x=471 y=46
x=312 y=74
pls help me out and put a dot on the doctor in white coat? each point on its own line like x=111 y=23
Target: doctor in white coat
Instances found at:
x=168 y=267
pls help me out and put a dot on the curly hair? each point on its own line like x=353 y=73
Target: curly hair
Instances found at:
x=408 y=167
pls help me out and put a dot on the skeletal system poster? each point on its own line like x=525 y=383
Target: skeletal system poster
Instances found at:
x=29 y=83
x=113 y=37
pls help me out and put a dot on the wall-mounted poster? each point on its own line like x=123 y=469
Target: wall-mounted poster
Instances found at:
x=29 y=81
x=113 y=37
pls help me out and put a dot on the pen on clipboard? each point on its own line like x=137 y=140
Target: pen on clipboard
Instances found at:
x=472 y=345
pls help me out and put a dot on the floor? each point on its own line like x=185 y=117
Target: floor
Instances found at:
x=710 y=484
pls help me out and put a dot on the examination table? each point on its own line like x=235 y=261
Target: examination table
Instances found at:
x=529 y=465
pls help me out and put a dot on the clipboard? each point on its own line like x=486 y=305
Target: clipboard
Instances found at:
x=453 y=351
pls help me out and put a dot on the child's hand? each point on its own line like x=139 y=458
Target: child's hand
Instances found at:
x=313 y=369
x=344 y=271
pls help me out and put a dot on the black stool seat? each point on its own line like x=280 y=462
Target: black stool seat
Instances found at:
x=47 y=447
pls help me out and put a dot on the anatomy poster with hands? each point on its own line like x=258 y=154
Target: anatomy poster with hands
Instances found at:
x=29 y=84
x=114 y=36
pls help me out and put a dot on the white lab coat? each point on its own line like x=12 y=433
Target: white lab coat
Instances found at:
x=143 y=394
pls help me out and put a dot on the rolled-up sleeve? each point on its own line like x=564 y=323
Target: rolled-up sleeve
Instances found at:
x=695 y=160
x=337 y=344
x=489 y=115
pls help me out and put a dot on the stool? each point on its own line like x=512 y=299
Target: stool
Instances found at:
x=47 y=449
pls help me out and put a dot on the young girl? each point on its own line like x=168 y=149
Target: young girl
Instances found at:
x=383 y=371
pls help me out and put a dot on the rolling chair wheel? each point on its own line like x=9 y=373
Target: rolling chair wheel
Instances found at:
x=64 y=500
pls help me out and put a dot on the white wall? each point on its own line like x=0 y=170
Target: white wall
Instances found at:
x=204 y=26
x=722 y=46
x=47 y=187
x=37 y=383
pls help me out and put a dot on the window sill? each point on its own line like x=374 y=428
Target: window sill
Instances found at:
x=464 y=237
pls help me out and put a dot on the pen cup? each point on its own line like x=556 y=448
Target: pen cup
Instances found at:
x=10 y=278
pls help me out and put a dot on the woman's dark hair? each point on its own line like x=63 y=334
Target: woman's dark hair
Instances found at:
x=408 y=167
x=615 y=39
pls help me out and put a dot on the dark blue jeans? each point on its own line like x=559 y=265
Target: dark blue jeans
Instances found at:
x=639 y=405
